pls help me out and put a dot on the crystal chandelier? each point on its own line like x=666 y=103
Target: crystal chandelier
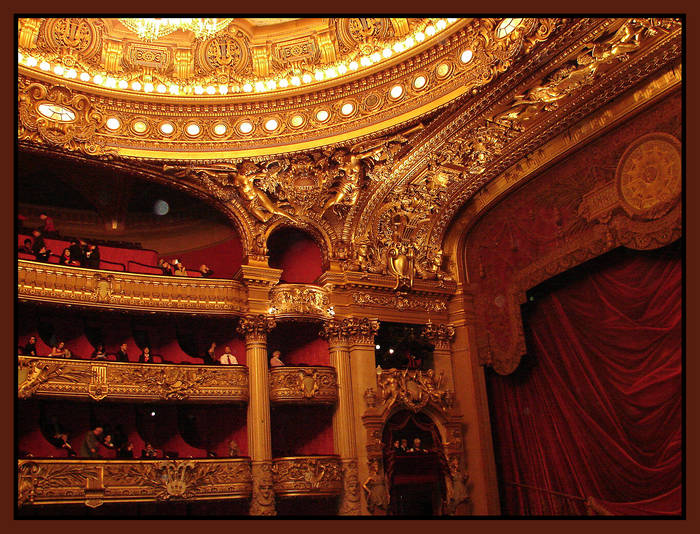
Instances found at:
x=150 y=29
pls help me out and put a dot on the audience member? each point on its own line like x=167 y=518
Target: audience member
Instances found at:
x=47 y=225
x=179 y=268
x=227 y=358
x=39 y=247
x=59 y=437
x=92 y=257
x=403 y=446
x=92 y=440
x=122 y=354
x=149 y=451
x=275 y=361
x=27 y=247
x=59 y=351
x=210 y=356
x=205 y=271
x=99 y=353
x=67 y=259
x=126 y=450
x=165 y=267
x=30 y=348
x=145 y=356
x=417 y=447
x=233 y=450
x=76 y=251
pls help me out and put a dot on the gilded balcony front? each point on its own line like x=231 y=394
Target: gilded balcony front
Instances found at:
x=299 y=301
x=82 y=379
x=120 y=290
x=307 y=476
x=94 y=482
x=303 y=385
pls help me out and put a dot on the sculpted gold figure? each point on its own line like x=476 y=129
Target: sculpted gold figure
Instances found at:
x=350 y=163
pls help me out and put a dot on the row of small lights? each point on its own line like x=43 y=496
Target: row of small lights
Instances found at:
x=322 y=115
x=257 y=87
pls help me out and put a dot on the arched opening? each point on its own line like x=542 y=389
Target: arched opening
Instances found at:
x=297 y=254
x=414 y=464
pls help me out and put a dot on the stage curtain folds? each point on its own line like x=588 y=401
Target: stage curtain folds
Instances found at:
x=595 y=408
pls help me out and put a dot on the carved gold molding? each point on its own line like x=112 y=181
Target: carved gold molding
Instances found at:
x=119 y=290
x=255 y=326
x=307 y=476
x=299 y=300
x=94 y=482
x=410 y=389
x=303 y=385
x=81 y=379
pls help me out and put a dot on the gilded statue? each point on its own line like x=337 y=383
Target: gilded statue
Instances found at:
x=375 y=489
x=457 y=488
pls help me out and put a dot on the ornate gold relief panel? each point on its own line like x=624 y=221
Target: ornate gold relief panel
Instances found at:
x=72 y=39
x=303 y=385
x=307 y=475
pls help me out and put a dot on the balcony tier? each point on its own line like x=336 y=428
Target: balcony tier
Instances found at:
x=299 y=301
x=94 y=482
x=83 y=379
x=316 y=476
x=303 y=385
x=119 y=290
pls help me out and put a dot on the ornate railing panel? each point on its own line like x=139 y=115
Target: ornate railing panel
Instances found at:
x=112 y=289
x=307 y=475
x=54 y=377
x=303 y=385
x=299 y=300
x=94 y=482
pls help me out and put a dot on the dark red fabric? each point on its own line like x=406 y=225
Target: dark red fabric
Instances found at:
x=299 y=344
x=595 y=408
x=224 y=258
x=297 y=254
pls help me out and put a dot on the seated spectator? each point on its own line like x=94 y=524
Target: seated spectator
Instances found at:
x=92 y=257
x=233 y=450
x=205 y=271
x=66 y=258
x=165 y=267
x=76 y=251
x=149 y=451
x=59 y=351
x=27 y=247
x=227 y=358
x=403 y=446
x=417 y=447
x=275 y=361
x=122 y=354
x=179 y=268
x=99 y=353
x=47 y=226
x=30 y=348
x=92 y=440
x=145 y=356
x=126 y=450
x=210 y=356
x=39 y=247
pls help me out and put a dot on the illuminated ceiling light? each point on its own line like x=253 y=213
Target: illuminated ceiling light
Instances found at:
x=111 y=82
x=419 y=82
x=451 y=21
x=466 y=56
x=220 y=129
x=347 y=108
x=387 y=52
x=84 y=76
x=396 y=91
x=150 y=29
x=353 y=65
x=284 y=83
x=167 y=128
x=193 y=129
x=113 y=123
x=71 y=73
x=375 y=57
x=420 y=37
x=198 y=90
x=306 y=78
x=443 y=69
x=161 y=88
x=211 y=89
x=506 y=27
x=331 y=73
x=430 y=31
x=174 y=89
x=271 y=85
x=223 y=89
x=245 y=127
x=377 y=347
x=297 y=120
x=271 y=125
x=441 y=24
x=322 y=115
x=56 y=112
x=247 y=88
x=44 y=66
x=31 y=61
x=123 y=84
x=295 y=80
x=58 y=69
x=140 y=126
x=148 y=87
x=136 y=86
x=318 y=75
x=259 y=86
x=365 y=61
x=98 y=79
x=342 y=69
x=20 y=57
x=409 y=42
x=391 y=351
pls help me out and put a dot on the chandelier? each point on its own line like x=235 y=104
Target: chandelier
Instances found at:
x=150 y=29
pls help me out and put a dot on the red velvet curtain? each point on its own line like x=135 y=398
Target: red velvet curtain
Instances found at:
x=595 y=408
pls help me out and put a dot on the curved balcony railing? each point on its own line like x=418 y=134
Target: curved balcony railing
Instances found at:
x=94 y=482
x=120 y=290
x=82 y=379
x=299 y=301
x=303 y=385
x=307 y=476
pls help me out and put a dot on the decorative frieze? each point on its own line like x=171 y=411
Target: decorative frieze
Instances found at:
x=303 y=385
x=81 y=379
x=413 y=389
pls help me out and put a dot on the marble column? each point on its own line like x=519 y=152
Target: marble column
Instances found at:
x=344 y=416
x=255 y=329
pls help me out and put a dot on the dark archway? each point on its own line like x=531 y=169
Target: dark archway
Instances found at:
x=296 y=253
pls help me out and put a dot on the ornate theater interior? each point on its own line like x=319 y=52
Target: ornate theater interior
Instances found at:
x=349 y=267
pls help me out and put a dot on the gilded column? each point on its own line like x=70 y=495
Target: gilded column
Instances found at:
x=344 y=416
x=361 y=332
x=255 y=329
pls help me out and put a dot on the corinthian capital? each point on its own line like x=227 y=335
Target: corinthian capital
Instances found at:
x=440 y=335
x=361 y=331
x=334 y=331
x=255 y=326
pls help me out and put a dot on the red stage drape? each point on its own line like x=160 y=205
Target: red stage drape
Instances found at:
x=595 y=408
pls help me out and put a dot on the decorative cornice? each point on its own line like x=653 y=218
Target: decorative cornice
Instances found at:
x=303 y=385
x=80 y=379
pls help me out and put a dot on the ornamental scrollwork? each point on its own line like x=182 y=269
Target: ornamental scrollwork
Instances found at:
x=303 y=384
x=33 y=373
x=413 y=389
x=296 y=299
x=169 y=382
x=400 y=302
x=308 y=476
x=255 y=325
x=44 y=480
